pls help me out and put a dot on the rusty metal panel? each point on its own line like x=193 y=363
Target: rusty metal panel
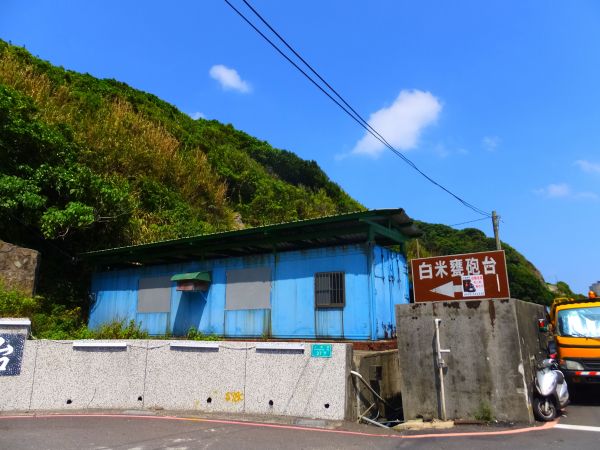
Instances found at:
x=470 y=276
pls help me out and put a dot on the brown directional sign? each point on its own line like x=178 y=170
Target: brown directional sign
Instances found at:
x=472 y=276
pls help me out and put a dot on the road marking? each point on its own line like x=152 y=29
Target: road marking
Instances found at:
x=546 y=426
x=578 y=427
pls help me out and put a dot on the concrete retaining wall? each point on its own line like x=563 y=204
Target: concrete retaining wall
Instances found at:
x=19 y=267
x=494 y=345
x=242 y=377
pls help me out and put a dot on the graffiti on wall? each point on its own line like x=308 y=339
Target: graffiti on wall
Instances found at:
x=11 y=354
x=234 y=397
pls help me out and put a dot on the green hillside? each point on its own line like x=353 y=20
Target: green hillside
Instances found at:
x=87 y=163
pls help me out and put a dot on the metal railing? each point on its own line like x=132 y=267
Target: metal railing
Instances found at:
x=362 y=415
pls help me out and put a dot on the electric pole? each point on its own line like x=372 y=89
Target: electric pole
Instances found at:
x=495 y=220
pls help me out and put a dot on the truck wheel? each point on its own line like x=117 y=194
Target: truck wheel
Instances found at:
x=544 y=409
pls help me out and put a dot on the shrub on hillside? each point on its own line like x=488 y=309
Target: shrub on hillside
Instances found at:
x=118 y=329
x=47 y=321
x=57 y=322
x=14 y=303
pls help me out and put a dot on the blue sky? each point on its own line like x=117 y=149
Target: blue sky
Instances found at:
x=497 y=100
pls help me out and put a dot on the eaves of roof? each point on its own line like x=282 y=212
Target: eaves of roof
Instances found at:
x=382 y=226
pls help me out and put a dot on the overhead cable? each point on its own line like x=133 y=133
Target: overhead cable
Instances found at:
x=344 y=105
x=469 y=221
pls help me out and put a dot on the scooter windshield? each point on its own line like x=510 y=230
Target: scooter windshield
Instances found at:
x=579 y=322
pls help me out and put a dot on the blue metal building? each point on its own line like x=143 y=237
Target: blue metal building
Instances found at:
x=332 y=277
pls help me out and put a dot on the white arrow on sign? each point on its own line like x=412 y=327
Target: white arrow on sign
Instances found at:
x=448 y=289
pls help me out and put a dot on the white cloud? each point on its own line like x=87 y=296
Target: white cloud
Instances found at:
x=588 y=166
x=563 y=190
x=197 y=115
x=443 y=151
x=401 y=123
x=229 y=79
x=586 y=195
x=557 y=190
x=490 y=143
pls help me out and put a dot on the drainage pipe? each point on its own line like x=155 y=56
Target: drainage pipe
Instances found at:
x=441 y=364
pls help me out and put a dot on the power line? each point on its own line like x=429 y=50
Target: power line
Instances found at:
x=357 y=115
x=338 y=95
x=469 y=221
x=348 y=109
x=357 y=119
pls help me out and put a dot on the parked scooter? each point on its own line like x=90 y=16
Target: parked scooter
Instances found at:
x=550 y=391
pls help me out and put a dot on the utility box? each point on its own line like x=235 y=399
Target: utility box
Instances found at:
x=494 y=346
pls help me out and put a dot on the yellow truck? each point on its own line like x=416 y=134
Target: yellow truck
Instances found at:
x=575 y=325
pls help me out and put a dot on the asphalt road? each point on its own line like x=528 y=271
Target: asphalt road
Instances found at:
x=66 y=433
x=152 y=432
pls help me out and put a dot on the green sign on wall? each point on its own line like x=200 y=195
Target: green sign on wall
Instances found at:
x=321 y=350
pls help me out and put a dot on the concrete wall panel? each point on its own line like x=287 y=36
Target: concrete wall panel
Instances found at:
x=186 y=378
x=95 y=377
x=223 y=376
x=296 y=383
x=487 y=364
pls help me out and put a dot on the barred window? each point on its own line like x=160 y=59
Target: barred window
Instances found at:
x=329 y=289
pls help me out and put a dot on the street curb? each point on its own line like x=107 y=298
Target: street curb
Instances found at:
x=546 y=426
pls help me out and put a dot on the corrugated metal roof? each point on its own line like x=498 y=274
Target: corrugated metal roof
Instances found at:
x=383 y=226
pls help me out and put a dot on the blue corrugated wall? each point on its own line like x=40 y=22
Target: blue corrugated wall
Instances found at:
x=375 y=280
x=390 y=284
